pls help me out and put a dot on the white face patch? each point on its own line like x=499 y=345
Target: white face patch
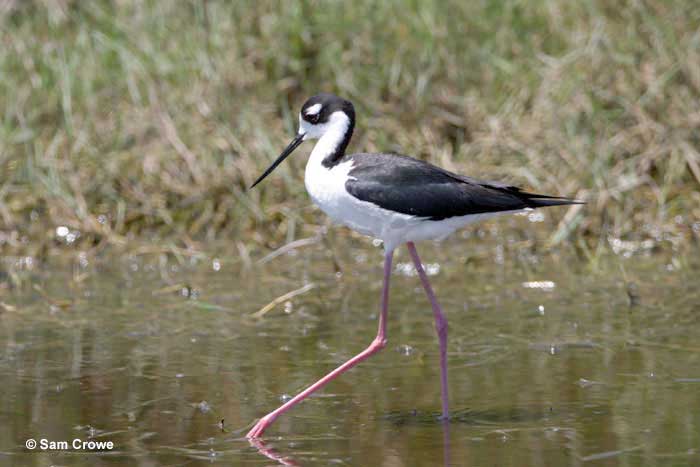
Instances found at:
x=336 y=125
x=313 y=110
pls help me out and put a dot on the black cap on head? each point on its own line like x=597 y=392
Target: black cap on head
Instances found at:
x=319 y=108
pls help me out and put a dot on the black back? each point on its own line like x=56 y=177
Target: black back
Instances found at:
x=410 y=186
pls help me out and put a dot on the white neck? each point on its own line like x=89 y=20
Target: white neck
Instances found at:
x=333 y=135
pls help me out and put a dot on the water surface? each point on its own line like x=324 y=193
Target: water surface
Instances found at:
x=553 y=361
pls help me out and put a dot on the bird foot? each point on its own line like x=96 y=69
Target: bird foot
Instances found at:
x=259 y=428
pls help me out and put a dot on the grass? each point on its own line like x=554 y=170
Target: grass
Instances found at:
x=142 y=122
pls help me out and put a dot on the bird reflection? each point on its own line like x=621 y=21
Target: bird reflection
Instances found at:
x=286 y=459
x=271 y=453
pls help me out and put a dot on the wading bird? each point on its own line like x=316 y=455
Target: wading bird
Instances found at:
x=396 y=199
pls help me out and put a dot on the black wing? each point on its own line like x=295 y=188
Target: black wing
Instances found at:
x=410 y=186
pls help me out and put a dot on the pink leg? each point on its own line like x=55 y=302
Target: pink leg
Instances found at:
x=378 y=344
x=440 y=326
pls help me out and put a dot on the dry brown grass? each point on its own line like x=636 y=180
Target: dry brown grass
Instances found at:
x=135 y=122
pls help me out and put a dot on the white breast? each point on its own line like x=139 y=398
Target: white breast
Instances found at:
x=326 y=186
x=327 y=190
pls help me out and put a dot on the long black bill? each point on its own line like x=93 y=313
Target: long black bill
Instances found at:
x=298 y=139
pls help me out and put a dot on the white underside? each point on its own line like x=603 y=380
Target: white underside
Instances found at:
x=327 y=190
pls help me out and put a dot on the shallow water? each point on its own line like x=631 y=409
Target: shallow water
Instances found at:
x=552 y=362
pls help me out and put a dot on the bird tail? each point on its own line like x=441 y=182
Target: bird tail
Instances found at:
x=534 y=200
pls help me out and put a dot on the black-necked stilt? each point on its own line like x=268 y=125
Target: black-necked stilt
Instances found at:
x=393 y=198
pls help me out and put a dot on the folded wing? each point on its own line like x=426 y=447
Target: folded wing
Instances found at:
x=410 y=186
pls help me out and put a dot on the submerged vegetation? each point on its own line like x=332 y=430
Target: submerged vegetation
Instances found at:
x=146 y=121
